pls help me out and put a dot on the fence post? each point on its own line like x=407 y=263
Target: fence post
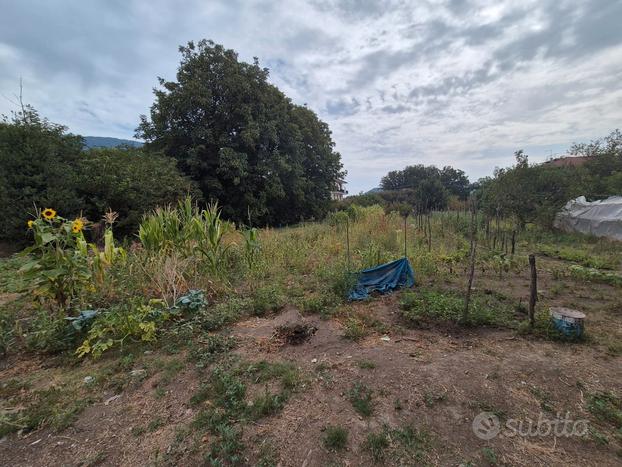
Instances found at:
x=533 y=296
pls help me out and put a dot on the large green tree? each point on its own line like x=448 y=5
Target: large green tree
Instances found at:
x=37 y=163
x=241 y=139
x=413 y=176
x=41 y=165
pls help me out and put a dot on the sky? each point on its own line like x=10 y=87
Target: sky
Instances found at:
x=445 y=82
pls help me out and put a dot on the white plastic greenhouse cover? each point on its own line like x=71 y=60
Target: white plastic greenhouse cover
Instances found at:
x=601 y=218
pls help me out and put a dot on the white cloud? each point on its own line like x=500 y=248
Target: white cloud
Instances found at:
x=451 y=82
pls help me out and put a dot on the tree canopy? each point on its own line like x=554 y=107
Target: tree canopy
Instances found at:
x=411 y=177
x=41 y=165
x=535 y=193
x=241 y=139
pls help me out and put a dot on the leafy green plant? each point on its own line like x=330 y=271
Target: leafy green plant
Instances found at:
x=252 y=246
x=211 y=230
x=136 y=321
x=57 y=265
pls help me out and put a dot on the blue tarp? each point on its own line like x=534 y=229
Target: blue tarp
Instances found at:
x=384 y=278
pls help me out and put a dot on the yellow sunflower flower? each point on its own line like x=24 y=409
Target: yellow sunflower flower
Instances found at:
x=30 y=224
x=48 y=214
x=77 y=226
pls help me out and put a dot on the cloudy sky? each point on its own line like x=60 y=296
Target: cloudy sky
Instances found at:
x=444 y=82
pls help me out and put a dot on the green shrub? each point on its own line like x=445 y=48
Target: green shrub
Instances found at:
x=335 y=438
x=267 y=299
x=134 y=321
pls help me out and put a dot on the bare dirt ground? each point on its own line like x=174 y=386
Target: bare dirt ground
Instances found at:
x=435 y=380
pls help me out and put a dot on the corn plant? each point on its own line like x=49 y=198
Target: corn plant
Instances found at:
x=211 y=231
x=251 y=246
x=103 y=259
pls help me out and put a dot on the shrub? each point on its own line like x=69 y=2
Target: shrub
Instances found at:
x=335 y=438
x=136 y=321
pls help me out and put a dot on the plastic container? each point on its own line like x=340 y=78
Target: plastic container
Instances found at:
x=568 y=322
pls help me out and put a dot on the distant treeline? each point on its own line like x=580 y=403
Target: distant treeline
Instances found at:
x=536 y=192
x=525 y=193
x=418 y=189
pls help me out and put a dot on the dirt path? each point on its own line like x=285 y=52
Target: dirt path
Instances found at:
x=435 y=381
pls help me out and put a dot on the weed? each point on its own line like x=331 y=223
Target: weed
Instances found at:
x=267 y=404
x=228 y=447
x=355 y=329
x=425 y=305
x=490 y=456
x=267 y=299
x=597 y=436
x=366 y=364
x=268 y=455
x=335 y=438
x=431 y=398
x=155 y=424
x=376 y=444
x=211 y=348
x=138 y=431
x=606 y=407
x=361 y=399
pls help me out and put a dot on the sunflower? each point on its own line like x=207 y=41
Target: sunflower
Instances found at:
x=77 y=226
x=30 y=223
x=48 y=214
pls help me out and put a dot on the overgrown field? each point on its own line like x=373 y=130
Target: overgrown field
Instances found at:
x=199 y=343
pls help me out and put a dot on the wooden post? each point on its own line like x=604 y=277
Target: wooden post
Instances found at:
x=429 y=233
x=467 y=298
x=405 y=226
x=348 y=241
x=513 y=241
x=533 y=295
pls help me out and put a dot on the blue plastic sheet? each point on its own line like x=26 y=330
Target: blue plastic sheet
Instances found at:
x=383 y=279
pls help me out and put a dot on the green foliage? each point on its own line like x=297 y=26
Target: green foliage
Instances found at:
x=250 y=148
x=421 y=305
x=360 y=397
x=128 y=181
x=42 y=165
x=267 y=299
x=56 y=407
x=188 y=230
x=38 y=163
x=451 y=180
x=57 y=265
x=252 y=246
x=335 y=438
x=606 y=407
x=210 y=348
x=594 y=275
x=535 y=193
x=376 y=444
x=136 y=321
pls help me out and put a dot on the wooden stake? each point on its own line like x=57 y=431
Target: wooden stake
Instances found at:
x=472 y=253
x=533 y=293
x=348 y=241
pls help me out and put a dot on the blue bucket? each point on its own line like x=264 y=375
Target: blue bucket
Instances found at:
x=568 y=322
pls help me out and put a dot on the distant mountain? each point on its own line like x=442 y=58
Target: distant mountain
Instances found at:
x=374 y=190
x=106 y=142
